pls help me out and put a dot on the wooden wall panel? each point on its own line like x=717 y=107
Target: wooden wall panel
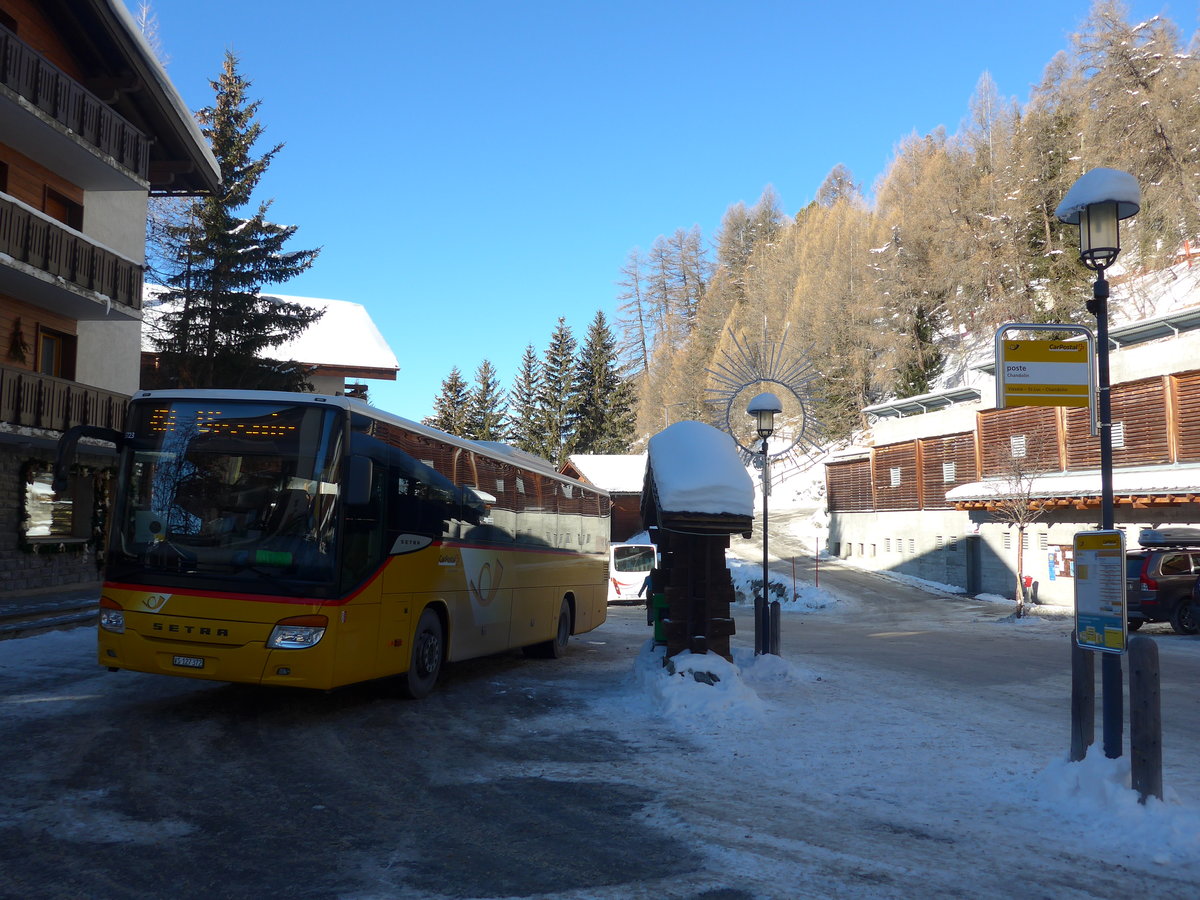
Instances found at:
x=956 y=451
x=1140 y=408
x=1187 y=416
x=1039 y=425
x=14 y=314
x=27 y=180
x=894 y=477
x=848 y=485
x=35 y=28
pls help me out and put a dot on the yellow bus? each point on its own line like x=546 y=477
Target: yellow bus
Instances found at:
x=315 y=541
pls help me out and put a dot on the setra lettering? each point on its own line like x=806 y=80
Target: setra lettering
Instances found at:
x=201 y=630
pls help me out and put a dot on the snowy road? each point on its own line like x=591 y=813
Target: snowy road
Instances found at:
x=868 y=763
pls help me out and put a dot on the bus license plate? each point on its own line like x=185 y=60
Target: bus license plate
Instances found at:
x=191 y=662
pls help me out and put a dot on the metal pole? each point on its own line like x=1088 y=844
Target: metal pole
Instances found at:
x=1110 y=665
x=765 y=618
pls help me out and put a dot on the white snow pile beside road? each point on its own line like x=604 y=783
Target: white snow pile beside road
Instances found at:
x=784 y=723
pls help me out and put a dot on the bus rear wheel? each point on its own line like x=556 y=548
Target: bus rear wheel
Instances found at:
x=556 y=648
x=426 y=661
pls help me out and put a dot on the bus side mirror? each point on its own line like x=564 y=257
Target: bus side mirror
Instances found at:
x=65 y=454
x=359 y=472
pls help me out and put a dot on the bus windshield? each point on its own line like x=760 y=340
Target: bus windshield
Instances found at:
x=239 y=493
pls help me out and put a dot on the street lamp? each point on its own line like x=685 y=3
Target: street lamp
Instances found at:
x=763 y=408
x=1096 y=203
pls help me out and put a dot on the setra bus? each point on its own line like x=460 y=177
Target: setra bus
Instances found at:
x=315 y=541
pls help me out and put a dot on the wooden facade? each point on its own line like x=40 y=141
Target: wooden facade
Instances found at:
x=1156 y=422
x=91 y=127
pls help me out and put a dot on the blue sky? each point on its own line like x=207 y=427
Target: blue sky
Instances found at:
x=474 y=170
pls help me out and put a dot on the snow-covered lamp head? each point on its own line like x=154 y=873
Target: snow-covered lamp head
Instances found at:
x=1097 y=202
x=764 y=408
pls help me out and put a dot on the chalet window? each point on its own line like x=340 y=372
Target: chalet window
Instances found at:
x=949 y=472
x=63 y=208
x=1043 y=541
x=1008 y=540
x=1017 y=446
x=55 y=354
x=895 y=476
x=912 y=545
x=51 y=518
x=939 y=542
x=953 y=546
x=887 y=545
x=1118 y=435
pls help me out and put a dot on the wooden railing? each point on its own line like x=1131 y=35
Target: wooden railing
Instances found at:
x=40 y=401
x=44 y=244
x=59 y=96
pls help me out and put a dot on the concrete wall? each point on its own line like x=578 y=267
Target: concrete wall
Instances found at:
x=117 y=219
x=108 y=355
x=889 y=542
x=977 y=553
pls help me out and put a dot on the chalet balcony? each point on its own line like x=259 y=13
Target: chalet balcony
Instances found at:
x=30 y=400
x=62 y=270
x=96 y=148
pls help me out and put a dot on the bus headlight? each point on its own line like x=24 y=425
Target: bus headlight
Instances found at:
x=112 y=617
x=297 y=632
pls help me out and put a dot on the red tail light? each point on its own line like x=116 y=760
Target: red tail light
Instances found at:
x=1149 y=582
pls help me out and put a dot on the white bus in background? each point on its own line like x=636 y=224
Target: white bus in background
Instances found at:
x=628 y=566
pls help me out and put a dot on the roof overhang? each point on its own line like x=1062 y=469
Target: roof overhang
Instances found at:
x=121 y=69
x=913 y=406
x=1166 y=486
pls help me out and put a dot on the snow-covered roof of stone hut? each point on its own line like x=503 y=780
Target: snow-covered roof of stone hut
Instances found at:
x=697 y=469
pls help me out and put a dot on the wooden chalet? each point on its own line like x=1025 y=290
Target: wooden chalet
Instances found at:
x=90 y=126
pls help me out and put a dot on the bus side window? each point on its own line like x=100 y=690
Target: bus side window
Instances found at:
x=362 y=535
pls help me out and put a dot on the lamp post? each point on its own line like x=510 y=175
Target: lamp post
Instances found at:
x=763 y=408
x=1096 y=203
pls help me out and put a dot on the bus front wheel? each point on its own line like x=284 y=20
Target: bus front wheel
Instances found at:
x=557 y=647
x=426 y=661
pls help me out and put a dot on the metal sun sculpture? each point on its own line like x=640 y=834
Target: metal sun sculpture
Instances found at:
x=748 y=369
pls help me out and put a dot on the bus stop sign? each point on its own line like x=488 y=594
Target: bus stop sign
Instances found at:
x=1100 y=615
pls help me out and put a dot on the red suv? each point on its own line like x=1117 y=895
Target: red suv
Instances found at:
x=1159 y=580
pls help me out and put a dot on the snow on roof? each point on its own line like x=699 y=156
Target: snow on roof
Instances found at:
x=1161 y=480
x=623 y=473
x=697 y=469
x=180 y=109
x=345 y=336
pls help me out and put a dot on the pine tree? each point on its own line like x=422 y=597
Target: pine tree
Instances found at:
x=557 y=401
x=485 y=405
x=605 y=415
x=451 y=408
x=215 y=330
x=521 y=430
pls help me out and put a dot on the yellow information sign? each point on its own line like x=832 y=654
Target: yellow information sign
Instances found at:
x=1100 y=615
x=1044 y=373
